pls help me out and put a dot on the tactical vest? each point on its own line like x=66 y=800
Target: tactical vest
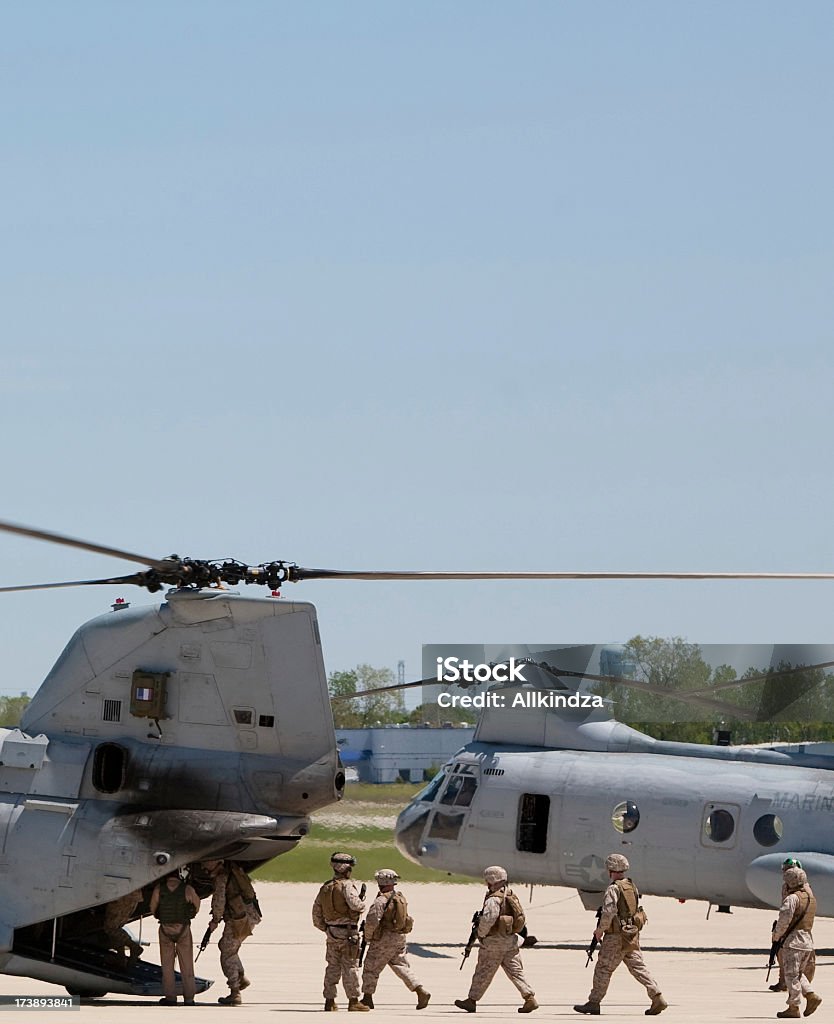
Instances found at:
x=807 y=911
x=173 y=906
x=333 y=904
x=628 y=899
x=511 y=916
x=240 y=893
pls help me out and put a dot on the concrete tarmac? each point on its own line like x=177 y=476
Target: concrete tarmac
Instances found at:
x=708 y=969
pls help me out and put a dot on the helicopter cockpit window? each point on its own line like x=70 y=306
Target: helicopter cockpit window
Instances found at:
x=533 y=816
x=719 y=825
x=109 y=767
x=445 y=826
x=430 y=792
x=460 y=790
x=768 y=830
x=625 y=817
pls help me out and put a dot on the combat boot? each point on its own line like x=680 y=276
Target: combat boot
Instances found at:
x=232 y=999
x=466 y=1004
x=330 y=1004
x=423 y=997
x=792 y=1011
x=355 y=1005
x=779 y=986
x=812 y=1002
x=528 y=1005
x=589 y=1007
x=368 y=1000
x=244 y=982
x=659 y=1004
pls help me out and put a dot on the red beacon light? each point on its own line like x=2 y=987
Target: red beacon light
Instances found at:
x=120 y=604
x=275 y=593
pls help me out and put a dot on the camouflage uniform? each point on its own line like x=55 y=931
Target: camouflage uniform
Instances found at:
x=496 y=950
x=796 y=920
x=340 y=924
x=618 y=947
x=117 y=914
x=387 y=946
x=239 y=912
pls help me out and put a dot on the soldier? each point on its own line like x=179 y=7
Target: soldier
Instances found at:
x=501 y=920
x=233 y=902
x=780 y=986
x=796 y=920
x=336 y=912
x=174 y=903
x=116 y=916
x=386 y=927
x=619 y=931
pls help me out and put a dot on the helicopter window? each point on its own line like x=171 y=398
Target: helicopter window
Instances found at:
x=243 y=716
x=445 y=826
x=109 y=767
x=625 y=817
x=533 y=815
x=768 y=830
x=430 y=792
x=719 y=825
x=451 y=791
x=467 y=791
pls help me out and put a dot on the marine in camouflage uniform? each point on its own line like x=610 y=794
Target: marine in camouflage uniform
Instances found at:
x=386 y=926
x=234 y=903
x=620 y=940
x=780 y=986
x=498 y=947
x=796 y=920
x=116 y=916
x=174 y=903
x=336 y=912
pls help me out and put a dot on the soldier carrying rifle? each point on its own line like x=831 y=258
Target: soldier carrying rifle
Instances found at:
x=498 y=927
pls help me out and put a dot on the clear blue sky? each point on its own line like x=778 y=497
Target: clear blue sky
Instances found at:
x=386 y=285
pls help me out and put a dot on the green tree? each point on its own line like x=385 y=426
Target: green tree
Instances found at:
x=11 y=710
x=362 y=712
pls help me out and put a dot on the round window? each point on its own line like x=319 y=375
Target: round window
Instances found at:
x=768 y=830
x=625 y=817
x=719 y=826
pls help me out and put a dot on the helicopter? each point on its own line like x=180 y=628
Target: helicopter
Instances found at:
x=197 y=728
x=550 y=784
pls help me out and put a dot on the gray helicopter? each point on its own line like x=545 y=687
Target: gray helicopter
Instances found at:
x=551 y=783
x=200 y=728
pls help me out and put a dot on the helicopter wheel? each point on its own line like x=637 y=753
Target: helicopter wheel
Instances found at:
x=86 y=993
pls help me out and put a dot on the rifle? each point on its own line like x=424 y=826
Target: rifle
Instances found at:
x=203 y=943
x=473 y=937
x=364 y=945
x=775 y=946
x=594 y=940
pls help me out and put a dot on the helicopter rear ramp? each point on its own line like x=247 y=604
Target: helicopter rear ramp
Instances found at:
x=89 y=971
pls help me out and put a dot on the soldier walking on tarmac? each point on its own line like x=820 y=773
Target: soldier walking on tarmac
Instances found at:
x=386 y=927
x=235 y=904
x=174 y=904
x=336 y=912
x=621 y=919
x=793 y=930
x=498 y=928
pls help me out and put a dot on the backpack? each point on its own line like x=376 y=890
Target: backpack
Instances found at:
x=512 y=908
x=395 y=916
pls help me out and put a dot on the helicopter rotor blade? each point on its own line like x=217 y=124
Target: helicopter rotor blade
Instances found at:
x=73 y=542
x=386 y=689
x=297 y=573
x=116 y=580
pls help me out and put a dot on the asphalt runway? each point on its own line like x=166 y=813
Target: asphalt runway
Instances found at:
x=708 y=969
